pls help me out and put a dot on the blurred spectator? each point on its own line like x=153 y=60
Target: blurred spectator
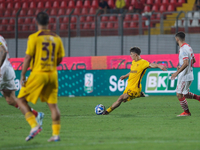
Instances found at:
x=196 y=5
x=103 y=6
x=120 y=5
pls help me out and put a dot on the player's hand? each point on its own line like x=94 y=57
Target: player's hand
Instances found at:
x=22 y=80
x=174 y=76
x=178 y=67
x=164 y=68
x=123 y=77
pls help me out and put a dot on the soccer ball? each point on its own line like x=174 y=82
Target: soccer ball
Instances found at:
x=99 y=109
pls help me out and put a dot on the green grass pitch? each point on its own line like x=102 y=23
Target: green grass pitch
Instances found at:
x=148 y=123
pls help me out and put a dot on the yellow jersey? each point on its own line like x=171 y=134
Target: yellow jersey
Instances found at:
x=137 y=71
x=45 y=47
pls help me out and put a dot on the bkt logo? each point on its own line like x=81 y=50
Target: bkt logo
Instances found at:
x=160 y=82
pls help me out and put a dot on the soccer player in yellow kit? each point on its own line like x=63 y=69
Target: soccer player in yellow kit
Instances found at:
x=137 y=71
x=44 y=53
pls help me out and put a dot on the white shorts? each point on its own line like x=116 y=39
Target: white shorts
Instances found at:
x=7 y=78
x=183 y=87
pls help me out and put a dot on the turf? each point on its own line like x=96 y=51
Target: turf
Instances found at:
x=148 y=123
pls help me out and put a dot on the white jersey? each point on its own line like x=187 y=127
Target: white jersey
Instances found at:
x=7 y=71
x=186 y=52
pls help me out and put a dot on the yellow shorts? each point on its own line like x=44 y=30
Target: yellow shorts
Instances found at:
x=132 y=92
x=41 y=84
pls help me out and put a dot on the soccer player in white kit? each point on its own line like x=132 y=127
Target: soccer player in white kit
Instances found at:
x=7 y=76
x=184 y=73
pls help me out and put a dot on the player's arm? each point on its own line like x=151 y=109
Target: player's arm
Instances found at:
x=3 y=53
x=59 y=60
x=193 y=60
x=61 y=53
x=154 y=65
x=185 y=64
x=26 y=64
x=125 y=76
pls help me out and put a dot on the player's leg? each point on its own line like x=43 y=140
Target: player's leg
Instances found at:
x=11 y=100
x=30 y=118
x=183 y=88
x=192 y=96
x=122 y=98
x=55 y=115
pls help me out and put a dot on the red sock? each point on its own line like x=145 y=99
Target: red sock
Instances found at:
x=184 y=104
x=192 y=96
x=34 y=112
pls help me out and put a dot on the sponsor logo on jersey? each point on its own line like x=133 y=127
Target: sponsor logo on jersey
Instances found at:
x=160 y=82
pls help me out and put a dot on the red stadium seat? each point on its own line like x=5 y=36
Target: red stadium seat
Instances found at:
x=150 y=2
x=73 y=19
x=40 y=4
x=71 y=4
x=173 y=2
x=82 y=18
x=181 y=1
x=133 y=2
x=17 y=5
x=116 y=26
x=30 y=12
x=95 y=4
x=113 y=18
x=27 y=20
x=14 y=12
x=147 y=9
x=111 y=3
x=5 y=21
x=126 y=24
x=128 y=17
x=155 y=8
x=84 y=11
x=87 y=4
x=89 y=18
x=157 y=2
x=127 y=3
x=103 y=25
x=56 y=4
x=21 y=21
x=65 y=20
x=61 y=11
x=130 y=8
x=33 y=4
x=63 y=26
x=48 y=4
x=25 y=5
x=52 y=20
x=32 y=28
x=10 y=28
x=86 y=26
x=33 y=21
x=163 y=8
x=92 y=11
x=72 y=26
x=165 y=2
x=10 y=5
x=12 y=21
x=2 y=5
x=79 y=4
x=37 y=11
x=3 y=28
x=104 y=18
x=23 y=12
x=135 y=17
x=7 y=13
x=110 y=25
x=25 y=28
x=170 y=8
x=93 y=25
x=77 y=11
x=133 y=25
x=53 y=12
x=63 y=4
x=69 y=11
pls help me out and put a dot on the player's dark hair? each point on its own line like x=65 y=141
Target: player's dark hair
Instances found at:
x=42 y=18
x=135 y=50
x=181 y=35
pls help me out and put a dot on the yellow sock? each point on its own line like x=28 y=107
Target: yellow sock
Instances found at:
x=56 y=128
x=30 y=118
x=109 y=110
